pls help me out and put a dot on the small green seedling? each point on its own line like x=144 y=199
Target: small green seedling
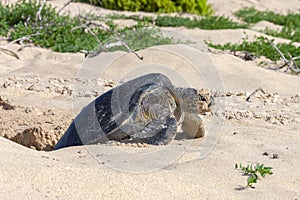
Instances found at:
x=252 y=173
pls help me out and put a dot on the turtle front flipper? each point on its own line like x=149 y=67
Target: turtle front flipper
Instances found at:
x=166 y=134
x=161 y=131
x=193 y=126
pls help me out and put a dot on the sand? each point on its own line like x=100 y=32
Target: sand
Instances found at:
x=43 y=91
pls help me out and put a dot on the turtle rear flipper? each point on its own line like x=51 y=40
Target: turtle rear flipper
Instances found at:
x=70 y=138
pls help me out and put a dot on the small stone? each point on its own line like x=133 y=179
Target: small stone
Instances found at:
x=228 y=94
x=32 y=147
x=257 y=116
x=240 y=94
x=140 y=145
x=265 y=154
x=271 y=119
x=31 y=87
x=5 y=85
x=145 y=144
x=134 y=145
x=275 y=156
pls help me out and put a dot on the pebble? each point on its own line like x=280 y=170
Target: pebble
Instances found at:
x=265 y=154
x=257 y=116
x=140 y=145
x=275 y=156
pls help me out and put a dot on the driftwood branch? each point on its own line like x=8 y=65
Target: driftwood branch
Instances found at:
x=292 y=59
x=277 y=49
x=108 y=45
x=128 y=49
x=103 y=48
x=289 y=63
x=90 y=22
x=38 y=14
x=24 y=46
x=24 y=38
x=85 y=27
x=20 y=41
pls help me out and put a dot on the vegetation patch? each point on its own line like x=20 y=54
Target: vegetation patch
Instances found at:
x=31 y=21
x=261 y=46
x=141 y=38
x=41 y=24
x=200 y=7
x=207 y=23
x=289 y=22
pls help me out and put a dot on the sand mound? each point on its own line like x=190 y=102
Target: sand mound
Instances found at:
x=33 y=128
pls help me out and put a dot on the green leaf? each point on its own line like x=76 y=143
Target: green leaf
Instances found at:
x=252 y=173
x=252 y=179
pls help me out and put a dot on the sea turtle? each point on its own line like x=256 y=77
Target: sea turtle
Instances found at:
x=143 y=110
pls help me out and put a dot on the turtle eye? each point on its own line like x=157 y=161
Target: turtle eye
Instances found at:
x=202 y=98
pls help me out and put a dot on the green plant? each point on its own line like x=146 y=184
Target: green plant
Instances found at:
x=290 y=22
x=292 y=34
x=200 y=7
x=64 y=33
x=138 y=18
x=261 y=46
x=213 y=22
x=140 y=38
x=50 y=29
x=252 y=173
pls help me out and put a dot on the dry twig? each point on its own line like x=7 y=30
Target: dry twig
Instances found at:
x=9 y=52
x=24 y=38
x=89 y=22
x=38 y=14
x=65 y=5
x=108 y=45
x=25 y=46
x=85 y=27
x=103 y=48
x=290 y=64
x=128 y=49
x=253 y=93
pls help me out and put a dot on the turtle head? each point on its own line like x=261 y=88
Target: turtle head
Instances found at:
x=206 y=101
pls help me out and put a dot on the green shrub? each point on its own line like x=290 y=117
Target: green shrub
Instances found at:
x=64 y=33
x=261 y=47
x=200 y=7
x=53 y=31
x=141 y=38
x=286 y=32
x=212 y=22
x=208 y=23
x=290 y=22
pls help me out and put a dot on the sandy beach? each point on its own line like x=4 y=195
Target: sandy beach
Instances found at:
x=42 y=91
